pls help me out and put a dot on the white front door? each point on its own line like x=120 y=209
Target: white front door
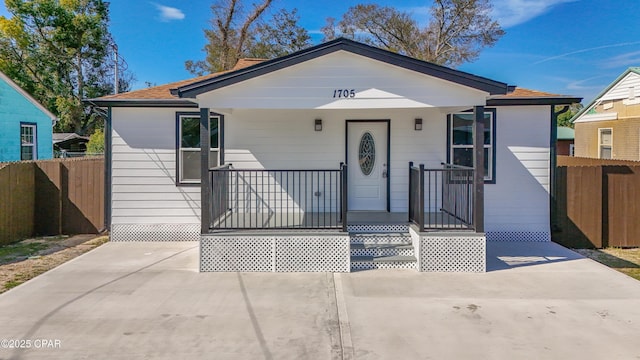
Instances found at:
x=367 y=163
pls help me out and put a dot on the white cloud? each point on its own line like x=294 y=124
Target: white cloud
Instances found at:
x=592 y=49
x=623 y=60
x=514 y=12
x=169 y=13
x=580 y=85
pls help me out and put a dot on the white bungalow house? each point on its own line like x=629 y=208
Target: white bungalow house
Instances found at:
x=338 y=157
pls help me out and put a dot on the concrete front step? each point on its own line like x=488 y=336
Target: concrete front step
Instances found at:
x=383 y=262
x=381 y=250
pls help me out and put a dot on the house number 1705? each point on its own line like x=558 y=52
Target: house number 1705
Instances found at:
x=344 y=93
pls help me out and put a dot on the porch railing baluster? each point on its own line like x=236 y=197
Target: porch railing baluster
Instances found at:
x=277 y=199
x=441 y=199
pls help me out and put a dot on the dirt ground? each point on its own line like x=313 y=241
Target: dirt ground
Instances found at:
x=29 y=258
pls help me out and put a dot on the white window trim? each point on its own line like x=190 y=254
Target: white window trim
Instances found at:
x=489 y=175
x=182 y=150
x=33 y=144
x=572 y=149
x=600 y=145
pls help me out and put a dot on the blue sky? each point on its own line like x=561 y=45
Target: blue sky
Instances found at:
x=573 y=47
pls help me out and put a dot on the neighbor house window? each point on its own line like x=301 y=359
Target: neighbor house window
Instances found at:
x=188 y=126
x=605 y=143
x=460 y=141
x=28 y=142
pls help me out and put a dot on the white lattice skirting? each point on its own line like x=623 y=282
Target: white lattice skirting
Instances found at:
x=453 y=253
x=539 y=236
x=277 y=253
x=155 y=232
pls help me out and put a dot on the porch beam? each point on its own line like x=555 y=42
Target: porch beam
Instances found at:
x=478 y=165
x=205 y=185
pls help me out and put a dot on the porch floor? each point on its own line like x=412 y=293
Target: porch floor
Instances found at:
x=330 y=220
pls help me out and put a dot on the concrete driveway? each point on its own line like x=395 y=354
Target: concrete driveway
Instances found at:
x=147 y=301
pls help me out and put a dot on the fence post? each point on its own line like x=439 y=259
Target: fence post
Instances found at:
x=344 y=197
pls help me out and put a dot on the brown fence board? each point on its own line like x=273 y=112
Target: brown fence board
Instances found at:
x=5 y=210
x=622 y=228
x=597 y=206
x=18 y=183
x=579 y=206
x=48 y=214
x=51 y=197
x=82 y=211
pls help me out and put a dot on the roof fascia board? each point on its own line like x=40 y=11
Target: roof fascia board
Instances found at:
x=516 y=101
x=157 y=103
x=466 y=79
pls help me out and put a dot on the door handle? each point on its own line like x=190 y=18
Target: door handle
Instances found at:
x=384 y=170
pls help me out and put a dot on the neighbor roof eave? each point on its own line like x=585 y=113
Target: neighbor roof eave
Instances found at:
x=538 y=100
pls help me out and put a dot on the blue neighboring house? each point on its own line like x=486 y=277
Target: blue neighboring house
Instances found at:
x=26 y=127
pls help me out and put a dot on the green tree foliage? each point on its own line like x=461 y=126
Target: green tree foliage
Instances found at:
x=96 y=142
x=278 y=37
x=564 y=119
x=456 y=32
x=60 y=51
x=238 y=33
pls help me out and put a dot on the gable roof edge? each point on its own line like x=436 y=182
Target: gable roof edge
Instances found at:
x=460 y=77
x=27 y=96
x=603 y=92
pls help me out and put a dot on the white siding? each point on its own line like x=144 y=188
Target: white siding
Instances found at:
x=144 y=190
x=276 y=139
x=519 y=201
x=621 y=89
x=311 y=85
x=144 y=170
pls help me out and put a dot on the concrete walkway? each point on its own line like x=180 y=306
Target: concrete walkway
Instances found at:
x=147 y=300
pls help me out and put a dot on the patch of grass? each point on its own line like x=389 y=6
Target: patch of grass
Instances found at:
x=20 y=250
x=19 y=279
x=627 y=261
x=12 y=283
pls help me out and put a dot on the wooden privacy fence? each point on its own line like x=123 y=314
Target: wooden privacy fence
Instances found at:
x=597 y=206
x=51 y=197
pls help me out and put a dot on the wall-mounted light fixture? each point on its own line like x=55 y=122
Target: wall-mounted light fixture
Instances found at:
x=418 y=124
x=318 y=125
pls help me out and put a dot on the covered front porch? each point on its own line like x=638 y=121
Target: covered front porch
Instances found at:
x=440 y=199
x=299 y=220
x=320 y=148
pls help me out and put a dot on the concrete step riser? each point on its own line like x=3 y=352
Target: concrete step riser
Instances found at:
x=383 y=252
x=381 y=239
x=369 y=265
x=367 y=229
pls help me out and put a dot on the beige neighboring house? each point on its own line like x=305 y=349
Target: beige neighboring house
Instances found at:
x=609 y=127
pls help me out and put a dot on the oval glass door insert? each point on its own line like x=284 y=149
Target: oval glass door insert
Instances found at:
x=367 y=153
